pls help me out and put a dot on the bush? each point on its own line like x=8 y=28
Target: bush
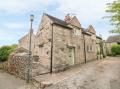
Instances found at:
x=5 y=52
x=115 y=50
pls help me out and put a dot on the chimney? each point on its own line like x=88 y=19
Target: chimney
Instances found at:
x=67 y=18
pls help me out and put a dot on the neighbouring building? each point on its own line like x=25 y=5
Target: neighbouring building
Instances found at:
x=63 y=43
x=101 y=47
x=24 y=42
x=111 y=41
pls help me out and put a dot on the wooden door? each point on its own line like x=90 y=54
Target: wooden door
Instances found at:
x=71 y=56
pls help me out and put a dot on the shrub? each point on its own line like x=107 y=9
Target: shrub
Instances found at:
x=115 y=50
x=5 y=52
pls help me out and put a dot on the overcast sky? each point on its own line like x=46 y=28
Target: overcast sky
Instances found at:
x=14 y=16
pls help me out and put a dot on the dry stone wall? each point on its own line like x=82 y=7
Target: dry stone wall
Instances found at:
x=4 y=66
x=17 y=64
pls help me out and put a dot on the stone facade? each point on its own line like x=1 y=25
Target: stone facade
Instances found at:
x=61 y=44
x=43 y=41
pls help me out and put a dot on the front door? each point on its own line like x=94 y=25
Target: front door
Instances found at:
x=71 y=56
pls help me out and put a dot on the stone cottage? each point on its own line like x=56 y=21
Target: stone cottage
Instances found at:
x=62 y=43
x=112 y=40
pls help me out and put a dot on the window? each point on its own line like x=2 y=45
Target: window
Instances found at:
x=89 y=48
x=77 y=32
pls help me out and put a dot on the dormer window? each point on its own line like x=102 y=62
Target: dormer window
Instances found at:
x=77 y=32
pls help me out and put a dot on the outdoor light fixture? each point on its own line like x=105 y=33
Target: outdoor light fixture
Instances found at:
x=31 y=18
x=30 y=53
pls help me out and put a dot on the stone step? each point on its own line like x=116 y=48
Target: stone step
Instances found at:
x=44 y=84
x=39 y=69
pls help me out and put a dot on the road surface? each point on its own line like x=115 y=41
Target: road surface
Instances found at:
x=8 y=81
x=99 y=74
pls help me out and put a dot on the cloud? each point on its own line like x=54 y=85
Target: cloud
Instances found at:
x=87 y=11
x=15 y=25
x=5 y=35
x=22 y=6
x=8 y=36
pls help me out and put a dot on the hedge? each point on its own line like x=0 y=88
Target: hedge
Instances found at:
x=115 y=50
x=5 y=52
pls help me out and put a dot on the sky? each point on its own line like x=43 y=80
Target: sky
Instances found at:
x=15 y=16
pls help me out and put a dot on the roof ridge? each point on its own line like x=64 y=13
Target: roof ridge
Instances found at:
x=57 y=21
x=54 y=17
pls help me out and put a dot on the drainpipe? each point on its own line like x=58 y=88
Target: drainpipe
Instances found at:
x=51 y=61
x=84 y=47
x=100 y=49
x=106 y=48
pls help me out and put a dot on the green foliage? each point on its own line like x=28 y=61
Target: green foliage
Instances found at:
x=115 y=50
x=14 y=46
x=5 y=51
x=114 y=10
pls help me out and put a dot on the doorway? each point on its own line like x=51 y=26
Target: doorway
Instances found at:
x=71 y=56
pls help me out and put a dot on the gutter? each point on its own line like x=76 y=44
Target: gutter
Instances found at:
x=84 y=48
x=51 y=61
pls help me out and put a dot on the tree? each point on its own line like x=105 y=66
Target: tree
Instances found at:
x=5 y=52
x=114 y=10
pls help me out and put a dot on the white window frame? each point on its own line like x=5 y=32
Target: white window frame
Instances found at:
x=77 y=32
x=89 y=48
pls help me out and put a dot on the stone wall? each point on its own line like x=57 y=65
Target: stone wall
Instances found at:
x=90 y=44
x=104 y=49
x=61 y=38
x=4 y=65
x=17 y=64
x=43 y=42
x=78 y=42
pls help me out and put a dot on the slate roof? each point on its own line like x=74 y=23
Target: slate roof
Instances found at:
x=91 y=27
x=98 y=37
x=84 y=31
x=64 y=24
x=113 y=39
x=58 y=21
